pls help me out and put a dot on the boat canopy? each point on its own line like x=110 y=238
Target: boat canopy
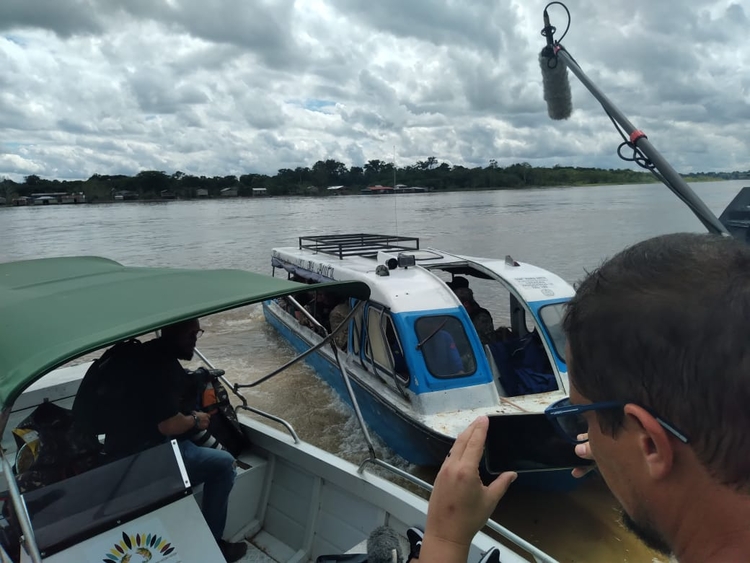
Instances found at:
x=53 y=310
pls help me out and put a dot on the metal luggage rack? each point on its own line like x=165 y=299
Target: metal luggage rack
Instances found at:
x=358 y=244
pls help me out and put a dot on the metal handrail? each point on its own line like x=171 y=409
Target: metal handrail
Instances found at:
x=538 y=555
x=281 y=421
x=19 y=506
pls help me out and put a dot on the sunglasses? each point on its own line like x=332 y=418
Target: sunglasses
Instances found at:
x=569 y=421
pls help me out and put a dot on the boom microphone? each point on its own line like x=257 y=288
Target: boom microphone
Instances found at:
x=383 y=546
x=554 y=77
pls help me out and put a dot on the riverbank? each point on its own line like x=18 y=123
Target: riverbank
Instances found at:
x=325 y=194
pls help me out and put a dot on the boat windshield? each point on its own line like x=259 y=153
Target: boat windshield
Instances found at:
x=445 y=346
x=552 y=317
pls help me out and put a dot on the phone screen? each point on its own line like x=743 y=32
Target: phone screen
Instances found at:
x=527 y=442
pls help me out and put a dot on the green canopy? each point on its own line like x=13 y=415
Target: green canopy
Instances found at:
x=53 y=310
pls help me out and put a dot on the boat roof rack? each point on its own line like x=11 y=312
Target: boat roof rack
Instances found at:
x=357 y=244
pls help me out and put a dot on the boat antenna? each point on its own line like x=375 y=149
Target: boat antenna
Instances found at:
x=395 y=199
x=554 y=60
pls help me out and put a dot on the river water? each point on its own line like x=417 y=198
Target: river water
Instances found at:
x=565 y=230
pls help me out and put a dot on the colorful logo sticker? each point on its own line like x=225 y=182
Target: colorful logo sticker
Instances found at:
x=139 y=548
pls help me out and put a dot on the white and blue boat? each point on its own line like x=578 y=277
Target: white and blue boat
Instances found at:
x=411 y=390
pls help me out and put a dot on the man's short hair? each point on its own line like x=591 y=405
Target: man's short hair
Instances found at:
x=665 y=323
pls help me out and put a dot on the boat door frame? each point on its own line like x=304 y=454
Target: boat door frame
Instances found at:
x=562 y=382
x=370 y=365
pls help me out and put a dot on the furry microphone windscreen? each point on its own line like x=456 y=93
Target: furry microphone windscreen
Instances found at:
x=556 y=86
x=381 y=545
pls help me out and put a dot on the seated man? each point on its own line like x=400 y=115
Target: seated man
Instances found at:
x=480 y=317
x=440 y=351
x=164 y=412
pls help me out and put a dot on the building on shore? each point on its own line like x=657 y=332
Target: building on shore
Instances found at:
x=201 y=192
x=80 y=197
x=51 y=198
x=228 y=192
x=126 y=195
x=337 y=190
x=378 y=190
x=259 y=192
x=403 y=189
x=45 y=200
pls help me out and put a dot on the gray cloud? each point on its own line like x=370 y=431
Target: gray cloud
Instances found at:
x=63 y=18
x=221 y=87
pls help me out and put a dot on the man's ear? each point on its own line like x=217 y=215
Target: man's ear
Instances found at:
x=653 y=441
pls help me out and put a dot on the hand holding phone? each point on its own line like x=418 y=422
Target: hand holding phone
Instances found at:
x=460 y=503
x=529 y=442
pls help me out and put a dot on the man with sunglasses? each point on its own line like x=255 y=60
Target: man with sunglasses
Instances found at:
x=164 y=411
x=659 y=375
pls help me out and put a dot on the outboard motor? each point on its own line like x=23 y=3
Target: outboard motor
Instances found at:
x=736 y=217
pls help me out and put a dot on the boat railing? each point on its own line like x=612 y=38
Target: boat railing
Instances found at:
x=538 y=555
x=357 y=244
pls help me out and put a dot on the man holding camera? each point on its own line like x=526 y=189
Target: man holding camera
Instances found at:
x=160 y=387
x=659 y=330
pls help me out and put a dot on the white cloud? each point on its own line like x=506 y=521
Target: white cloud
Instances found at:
x=220 y=87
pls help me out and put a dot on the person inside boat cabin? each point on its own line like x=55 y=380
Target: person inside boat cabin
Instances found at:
x=164 y=411
x=439 y=349
x=480 y=317
x=657 y=355
x=337 y=316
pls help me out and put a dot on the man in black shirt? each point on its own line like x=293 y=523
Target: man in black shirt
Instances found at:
x=166 y=411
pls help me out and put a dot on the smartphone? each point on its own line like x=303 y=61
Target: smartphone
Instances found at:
x=527 y=442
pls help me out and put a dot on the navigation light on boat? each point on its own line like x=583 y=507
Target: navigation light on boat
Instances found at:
x=382 y=270
x=406 y=260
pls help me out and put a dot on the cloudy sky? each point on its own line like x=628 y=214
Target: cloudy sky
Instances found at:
x=221 y=87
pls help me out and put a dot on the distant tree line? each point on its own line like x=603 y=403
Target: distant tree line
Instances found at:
x=151 y=184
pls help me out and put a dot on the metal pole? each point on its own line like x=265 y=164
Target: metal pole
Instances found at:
x=674 y=180
x=22 y=514
x=355 y=403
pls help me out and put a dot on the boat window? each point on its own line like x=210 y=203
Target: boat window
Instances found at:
x=552 y=317
x=377 y=349
x=383 y=346
x=445 y=346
